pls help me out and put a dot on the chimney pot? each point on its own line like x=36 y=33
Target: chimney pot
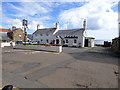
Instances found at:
x=57 y=25
x=13 y=27
x=38 y=25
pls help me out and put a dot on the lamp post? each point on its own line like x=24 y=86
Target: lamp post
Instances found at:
x=25 y=24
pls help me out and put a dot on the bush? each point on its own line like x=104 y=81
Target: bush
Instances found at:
x=38 y=42
x=58 y=45
x=44 y=44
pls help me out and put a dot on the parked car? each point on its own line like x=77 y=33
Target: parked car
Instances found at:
x=34 y=42
x=19 y=42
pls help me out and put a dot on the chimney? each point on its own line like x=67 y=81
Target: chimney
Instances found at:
x=57 y=25
x=57 y=28
x=13 y=27
x=84 y=24
x=38 y=26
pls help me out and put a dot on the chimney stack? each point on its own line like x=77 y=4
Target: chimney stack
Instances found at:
x=57 y=25
x=84 y=24
x=57 y=28
x=13 y=27
x=38 y=26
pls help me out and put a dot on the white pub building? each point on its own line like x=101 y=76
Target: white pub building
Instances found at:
x=73 y=37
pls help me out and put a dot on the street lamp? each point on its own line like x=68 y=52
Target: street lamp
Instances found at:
x=25 y=24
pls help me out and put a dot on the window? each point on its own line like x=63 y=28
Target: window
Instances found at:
x=41 y=40
x=46 y=34
x=40 y=34
x=20 y=35
x=75 y=41
x=66 y=41
x=47 y=40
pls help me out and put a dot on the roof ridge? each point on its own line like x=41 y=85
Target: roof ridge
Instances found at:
x=46 y=28
x=74 y=29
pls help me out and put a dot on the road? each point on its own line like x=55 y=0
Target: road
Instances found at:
x=73 y=68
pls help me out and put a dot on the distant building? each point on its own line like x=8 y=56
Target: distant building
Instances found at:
x=3 y=34
x=89 y=42
x=107 y=44
x=29 y=37
x=115 y=43
x=74 y=37
x=16 y=34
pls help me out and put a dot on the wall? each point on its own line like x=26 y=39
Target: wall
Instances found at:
x=6 y=44
x=44 y=37
x=80 y=39
x=115 y=44
x=90 y=42
x=16 y=34
x=39 y=47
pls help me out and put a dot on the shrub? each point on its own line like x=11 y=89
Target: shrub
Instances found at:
x=35 y=44
x=58 y=45
x=44 y=44
x=38 y=42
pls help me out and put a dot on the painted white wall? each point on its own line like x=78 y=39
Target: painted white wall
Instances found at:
x=6 y=44
x=90 y=42
x=44 y=37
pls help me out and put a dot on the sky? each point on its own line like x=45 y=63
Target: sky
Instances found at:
x=101 y=16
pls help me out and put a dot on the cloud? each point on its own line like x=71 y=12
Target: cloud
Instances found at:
x=29 y=9
x=33 y=25
x=34 y=12
x=44 y=1
x=0 y=26
x=101 y=19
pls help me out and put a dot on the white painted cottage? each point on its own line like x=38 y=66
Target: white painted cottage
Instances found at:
x=73 y=37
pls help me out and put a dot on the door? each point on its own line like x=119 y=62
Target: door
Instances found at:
x=86 y=42
x=57 y=41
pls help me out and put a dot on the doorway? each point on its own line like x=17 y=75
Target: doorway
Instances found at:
x=86 y=42
x=57 y=41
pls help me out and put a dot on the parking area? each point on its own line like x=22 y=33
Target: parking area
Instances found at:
x=73 y=68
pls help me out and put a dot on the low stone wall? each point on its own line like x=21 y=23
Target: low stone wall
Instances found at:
x=39 y=47
x=6 y=44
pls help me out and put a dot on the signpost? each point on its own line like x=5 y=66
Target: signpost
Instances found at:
x=25 y=24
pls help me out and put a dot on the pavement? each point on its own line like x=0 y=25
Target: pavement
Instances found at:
x=73 y=68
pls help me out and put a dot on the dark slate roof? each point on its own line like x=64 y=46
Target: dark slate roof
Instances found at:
x=69 y=32
x=15 y=29
x=30 y=36
x=45 y=31
x=89 y=38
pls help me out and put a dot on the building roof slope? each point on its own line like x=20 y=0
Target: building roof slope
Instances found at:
x=4 y=30
x=45 y=31
x=51 y=30
x=69 y=32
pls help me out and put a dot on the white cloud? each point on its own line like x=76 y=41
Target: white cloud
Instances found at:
x=100 y=23
x=0 y=26
x=44 y=0
x=26 y=10
x=9 y=22
x=33 y=25
x=29 y=8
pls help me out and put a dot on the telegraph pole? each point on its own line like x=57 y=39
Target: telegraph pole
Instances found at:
x=25 y=24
